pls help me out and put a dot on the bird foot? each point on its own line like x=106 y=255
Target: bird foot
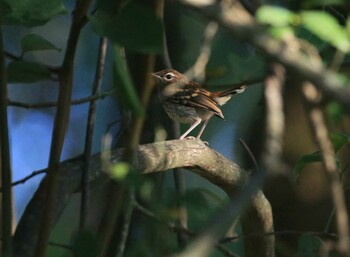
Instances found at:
x=190 y=138
x=206 y=143
x=194 y=138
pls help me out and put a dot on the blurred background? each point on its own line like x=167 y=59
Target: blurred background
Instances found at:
x=300 y=202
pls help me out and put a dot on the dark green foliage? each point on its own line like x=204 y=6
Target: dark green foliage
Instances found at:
x=34 y=42
x=30 y=13
x=27 y=72
x=134 y=26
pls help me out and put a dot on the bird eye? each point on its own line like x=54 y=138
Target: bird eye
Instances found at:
x=169 y=76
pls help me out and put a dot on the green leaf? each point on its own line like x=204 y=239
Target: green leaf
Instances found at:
x=27 y=72
x=339 y=140
x=135 y=27
x=275 y=16
x=120 y=170
x=305 y=160
x=309 y=246
x=30 y=13
x=124 y=84
x=335 y=112
x=33 y=42
x=281 y=32
x=327 y=28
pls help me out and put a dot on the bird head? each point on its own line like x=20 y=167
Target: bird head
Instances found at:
x=169 y=76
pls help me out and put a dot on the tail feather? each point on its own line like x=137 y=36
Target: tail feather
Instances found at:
x=224 y=96
x=233 y=91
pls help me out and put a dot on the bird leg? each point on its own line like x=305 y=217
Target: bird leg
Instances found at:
x=193 y=126
x=202 y=129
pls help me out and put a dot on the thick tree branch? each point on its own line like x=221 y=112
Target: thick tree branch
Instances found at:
x=193 y=155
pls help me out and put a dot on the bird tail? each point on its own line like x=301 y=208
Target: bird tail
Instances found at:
x=232 y=91
x=224 y=96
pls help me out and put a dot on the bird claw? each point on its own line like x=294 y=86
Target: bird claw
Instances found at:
x=194 y=138
x=206 y=143
x=190 y=138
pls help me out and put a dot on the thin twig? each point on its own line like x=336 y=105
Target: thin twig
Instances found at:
x=90 y=132
x=178 y=229
x=320 y=130
x=23 y=180
x=54 y=104
x=282 y=232
x=250 y=153
x=64 y=246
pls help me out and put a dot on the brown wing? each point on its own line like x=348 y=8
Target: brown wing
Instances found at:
x=196 y=97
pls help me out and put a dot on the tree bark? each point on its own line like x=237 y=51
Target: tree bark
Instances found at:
x=193 y=155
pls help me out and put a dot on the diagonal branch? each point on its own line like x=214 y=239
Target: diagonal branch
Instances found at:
x=241 y=25
x=193 y=155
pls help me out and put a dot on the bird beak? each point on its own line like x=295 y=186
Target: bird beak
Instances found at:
x=156 y=77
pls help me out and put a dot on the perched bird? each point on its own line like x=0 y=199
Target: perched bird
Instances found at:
x=185 y=101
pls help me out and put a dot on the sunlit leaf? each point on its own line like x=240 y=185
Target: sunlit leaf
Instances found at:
x=326 y=27
x=135 y=27
x=27 y=72
x=120 y=170
x=281 y=32
x=33 y=42
x=31 y=13
x=275 y=16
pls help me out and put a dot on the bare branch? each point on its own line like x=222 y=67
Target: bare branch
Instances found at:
x=23 y=180
x=54 y=104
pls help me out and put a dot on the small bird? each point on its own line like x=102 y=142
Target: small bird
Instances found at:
x=185 y=101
